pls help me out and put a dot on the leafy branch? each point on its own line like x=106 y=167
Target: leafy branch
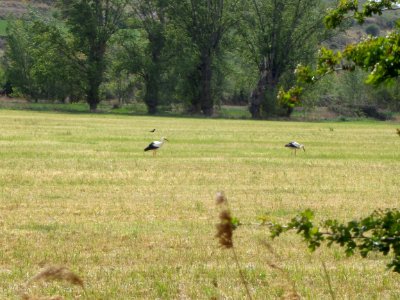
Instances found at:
x=380 y=56
x=378 y=232
x=336 y=16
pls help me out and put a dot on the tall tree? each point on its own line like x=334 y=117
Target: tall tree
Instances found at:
x=18 y=58
x=33 y=61
x=279 y=34
x=92 y=24
x=139 y=48
x=152 y=20
x=205 y=22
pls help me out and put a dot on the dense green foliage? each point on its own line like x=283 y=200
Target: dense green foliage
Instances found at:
x=204 y=24
x=378 y=232
x=3 y=27
x=167 y=51
x=200 y=54
x=279 y=34
x=39 y=72
x=150 y=63
x=379 y=56
x=92 y=24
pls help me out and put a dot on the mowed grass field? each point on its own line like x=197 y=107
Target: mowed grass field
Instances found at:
x=77 y=190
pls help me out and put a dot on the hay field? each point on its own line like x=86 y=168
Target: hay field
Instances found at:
x=78 y=191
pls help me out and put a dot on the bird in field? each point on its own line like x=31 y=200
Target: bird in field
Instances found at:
x=398 y=131
x=152 y=130
x=295 y=146
x=154 y=146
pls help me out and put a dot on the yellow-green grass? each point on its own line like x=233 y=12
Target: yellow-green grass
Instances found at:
x=78 y=191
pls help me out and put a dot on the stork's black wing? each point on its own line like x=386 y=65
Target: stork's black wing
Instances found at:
x=152 y=146
x=293 y=145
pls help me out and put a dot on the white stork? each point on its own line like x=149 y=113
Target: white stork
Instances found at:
x=295 y=145
x=154 y=146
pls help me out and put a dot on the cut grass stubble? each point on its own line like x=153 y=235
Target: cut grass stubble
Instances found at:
x=77 y=190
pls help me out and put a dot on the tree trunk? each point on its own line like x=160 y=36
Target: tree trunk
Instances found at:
x=93 y=90
x=93 y=97
x=270 y=105
x=95 y=74
x=257 y=96
x=151 y=97
x=152 y=78
x=206 y=101
x=193 y=91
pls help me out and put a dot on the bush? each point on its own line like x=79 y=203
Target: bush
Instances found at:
x=372 y=30
x=347 y=95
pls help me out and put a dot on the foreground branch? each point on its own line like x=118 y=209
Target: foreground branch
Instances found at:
x=378 y=232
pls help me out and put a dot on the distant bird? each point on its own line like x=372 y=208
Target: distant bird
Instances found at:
x=154 y=146
x=152 y=130
x=295 y=145
x=398 y=131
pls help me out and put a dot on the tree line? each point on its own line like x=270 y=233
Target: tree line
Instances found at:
x=193 y=53
x=189 y=52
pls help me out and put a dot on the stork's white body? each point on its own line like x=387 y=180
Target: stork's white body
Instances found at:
x=154 y=146
x=295 y=146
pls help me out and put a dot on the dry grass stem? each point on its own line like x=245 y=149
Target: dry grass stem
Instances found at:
x=328 y=280
x=244 y=281
x=220 y=198
x=225 y=235
x=291 y=293
x=225 y=229
x=51 y=273
x=57 y=273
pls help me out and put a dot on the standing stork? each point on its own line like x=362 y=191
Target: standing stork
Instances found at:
x=154 y=146
x=295 y=145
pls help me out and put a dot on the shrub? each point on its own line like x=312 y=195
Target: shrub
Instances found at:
x=372 y=30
